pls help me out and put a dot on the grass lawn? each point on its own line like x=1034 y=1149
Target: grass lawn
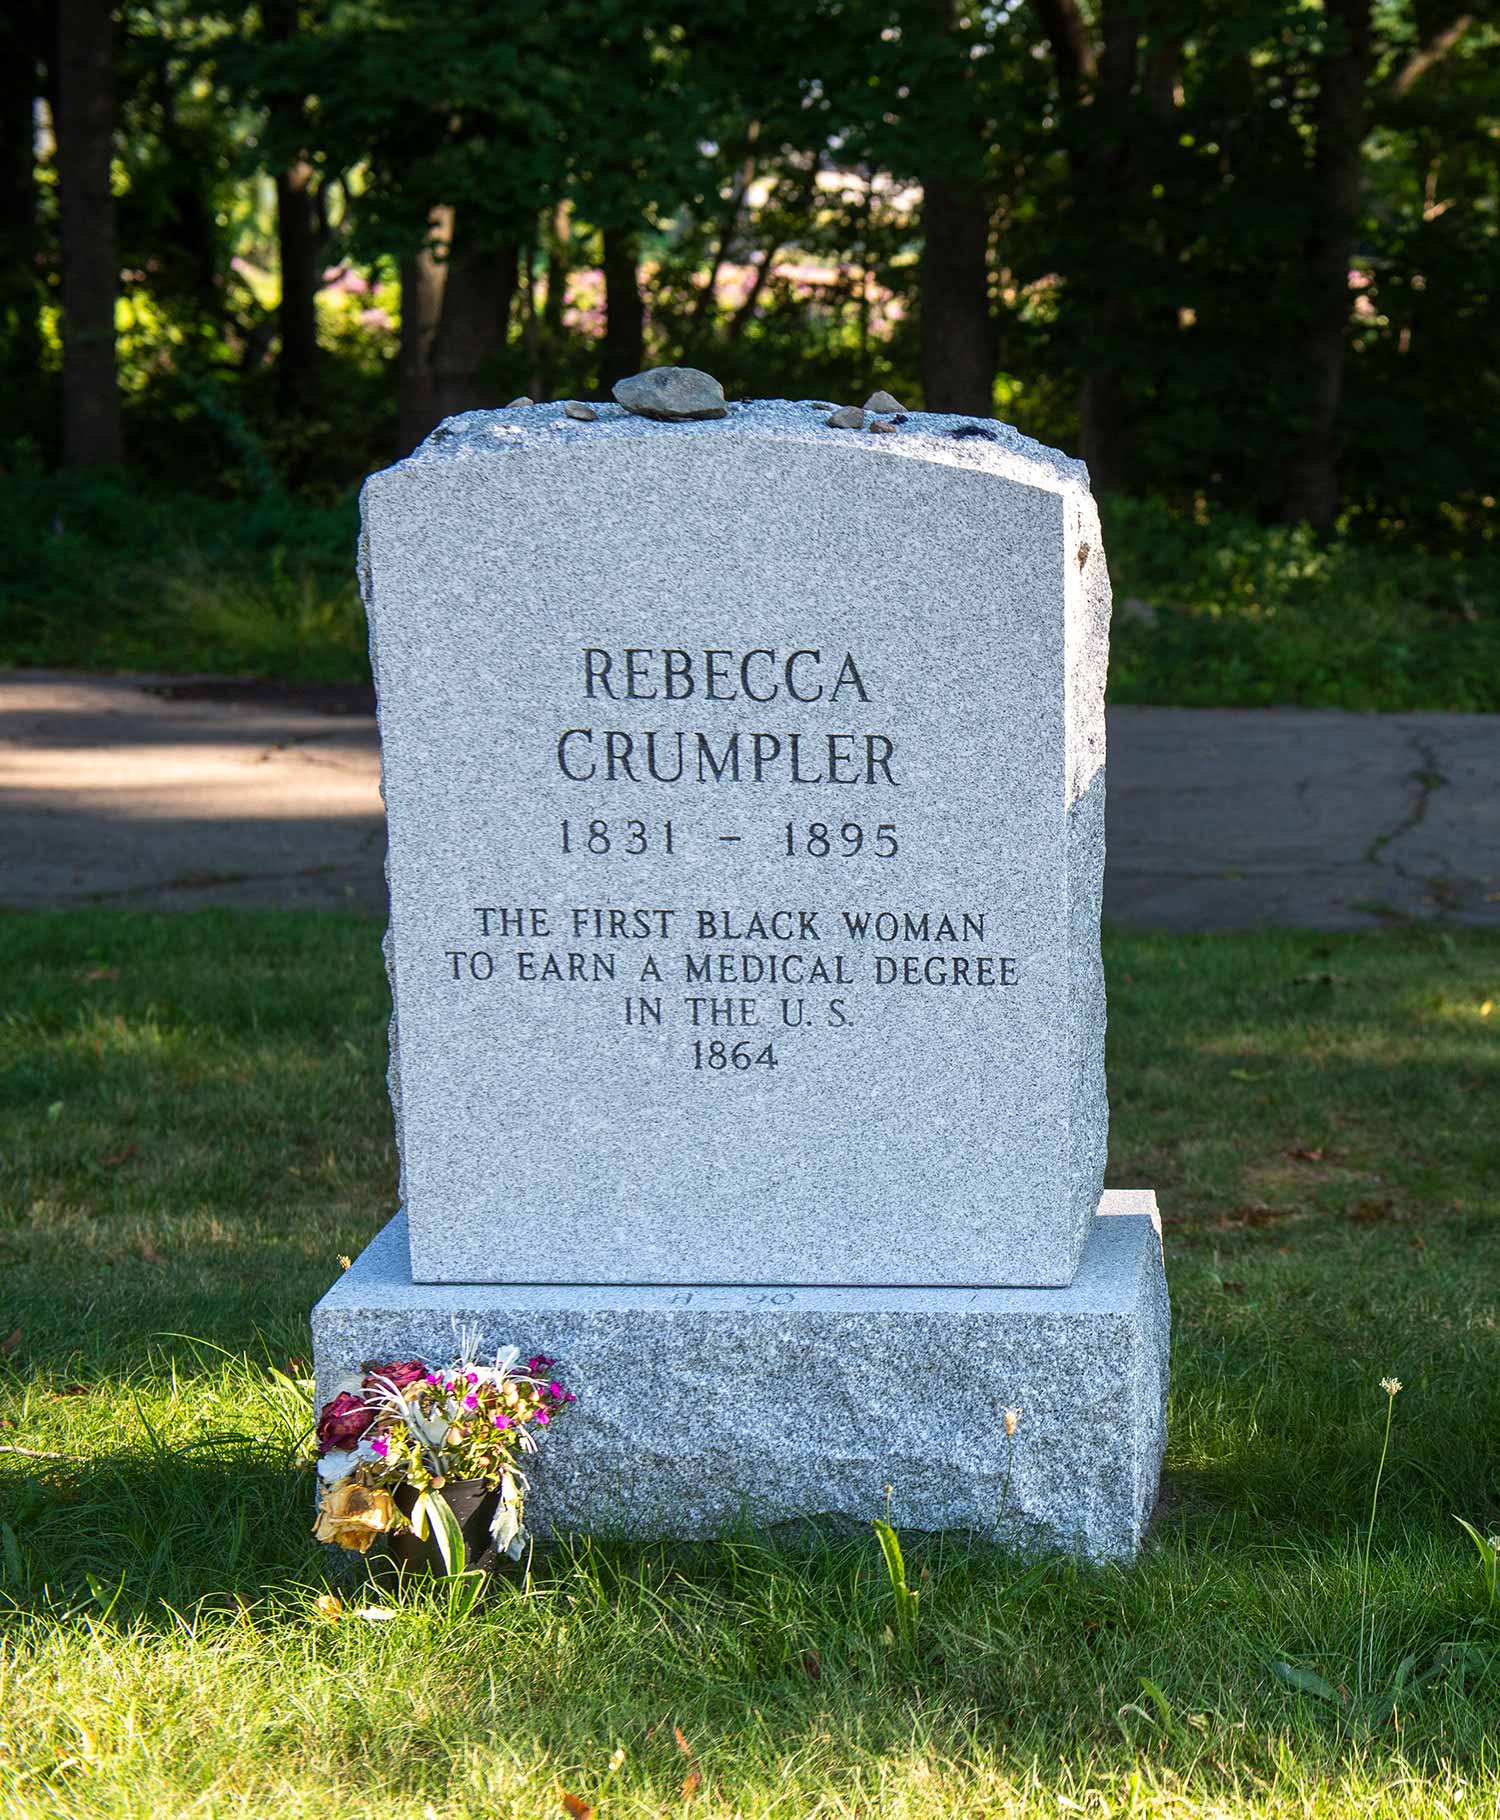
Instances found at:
x=193 y=1128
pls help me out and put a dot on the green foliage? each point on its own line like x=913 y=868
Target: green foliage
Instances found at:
x=96 y=575
x=906 y=1600
x=433 y=1519
x=1489 y=1558
x=1154 y=206
x=1254 y=615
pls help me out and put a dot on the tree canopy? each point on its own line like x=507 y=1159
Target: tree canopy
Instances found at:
x=1235 y=255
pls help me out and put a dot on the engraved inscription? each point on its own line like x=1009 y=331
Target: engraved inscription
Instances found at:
x=746 y=986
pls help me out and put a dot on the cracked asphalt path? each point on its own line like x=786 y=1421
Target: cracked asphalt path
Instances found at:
x=165 y=793
x=1240 y=818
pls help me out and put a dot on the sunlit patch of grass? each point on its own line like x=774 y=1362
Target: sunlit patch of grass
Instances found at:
x=172 y=1642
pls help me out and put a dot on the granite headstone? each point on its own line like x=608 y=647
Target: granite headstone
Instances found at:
x=744 y=778
x=745 y=798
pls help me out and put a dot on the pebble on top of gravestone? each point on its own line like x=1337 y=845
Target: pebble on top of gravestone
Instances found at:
x=745 y=786
x=673 y=395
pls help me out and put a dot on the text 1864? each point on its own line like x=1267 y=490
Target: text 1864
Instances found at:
x=735 y=1058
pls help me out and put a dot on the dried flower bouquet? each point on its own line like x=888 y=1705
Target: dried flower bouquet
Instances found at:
x=405 y=1428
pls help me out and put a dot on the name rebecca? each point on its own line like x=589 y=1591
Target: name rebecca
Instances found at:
x=658 y=755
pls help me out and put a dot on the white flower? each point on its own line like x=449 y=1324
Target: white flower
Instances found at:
x=431 y=1431
x=506 y=1526
x=339 y=1464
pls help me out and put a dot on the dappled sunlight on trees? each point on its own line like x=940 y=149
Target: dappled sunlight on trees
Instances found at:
x=1237 y=257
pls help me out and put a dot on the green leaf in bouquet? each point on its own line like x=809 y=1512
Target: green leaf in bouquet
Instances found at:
x=432 y=1518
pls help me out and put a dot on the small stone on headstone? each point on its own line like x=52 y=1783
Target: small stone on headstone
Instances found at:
x=880 y=424
x=584 y=413
x=882 y=402
x=672 y=395
x=850 y=418
x=974 y=429
x=515 y=403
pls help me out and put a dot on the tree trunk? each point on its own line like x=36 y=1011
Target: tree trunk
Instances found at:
x=559 y=238
x=1105 y=177
x=623 y=351
x=473 y=326
x=455 y=314
x=1312 y=490
x=957 y=332
x=706 y=303
x=298 y=234
x=22 y=40
x=91 y=427
x=423 y=278
x=298 y=241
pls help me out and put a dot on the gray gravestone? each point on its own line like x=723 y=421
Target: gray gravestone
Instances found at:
x=745 y=786
x=745 y=793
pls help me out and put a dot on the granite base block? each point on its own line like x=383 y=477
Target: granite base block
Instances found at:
x=701 y=1408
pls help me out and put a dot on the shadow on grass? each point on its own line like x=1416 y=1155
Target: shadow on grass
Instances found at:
x=145 y=1536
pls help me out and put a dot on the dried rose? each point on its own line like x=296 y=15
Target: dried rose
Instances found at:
x=343 y=1421
x=354 y=1515
x=401 y=1373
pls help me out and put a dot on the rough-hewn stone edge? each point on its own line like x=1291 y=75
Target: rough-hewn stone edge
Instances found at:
x=365 y=570
x=1086 y=612
x=978 y=444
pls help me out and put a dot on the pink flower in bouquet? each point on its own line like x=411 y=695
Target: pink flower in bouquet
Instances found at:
x=400 y=1372
x=342 y=1422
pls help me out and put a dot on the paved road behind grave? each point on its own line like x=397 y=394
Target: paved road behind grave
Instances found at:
x=161 y=793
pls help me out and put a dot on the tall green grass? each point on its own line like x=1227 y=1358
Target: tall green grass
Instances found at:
x=97 y=576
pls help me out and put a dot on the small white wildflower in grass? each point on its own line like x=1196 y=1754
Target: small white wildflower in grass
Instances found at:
x=1367 y=1658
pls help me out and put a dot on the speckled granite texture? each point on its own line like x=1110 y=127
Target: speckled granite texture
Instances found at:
x=929 y=1120
x=697 y=1406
